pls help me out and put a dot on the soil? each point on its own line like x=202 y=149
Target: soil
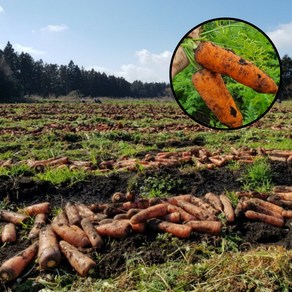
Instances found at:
x=113 y=257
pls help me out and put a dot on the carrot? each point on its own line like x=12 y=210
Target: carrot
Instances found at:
x=132 y=212
x=264 y=218
x=8 y=233
x=138 y=227
x=251 y=205
x=72 y=214
x=267 y=205
x=105 y=221
x=151 y=212
x=285 y=196
x=200 y=203
x=39 y=223
x=130 y=196
x=14 y=266
x=226 y=62
x=174 y=217
x=287 y=214
x=214 y=201
x=49 y=254
x=213 y=91
x=41 y=208
x=184 y=215
x=12 y=217
x=84 y=211
x=173 y=200
x=118 y=197
x=61 y=219
x=178 y=230
x=72 y=235
x=121 y=216
x=141 y=204
x=80 y=262
x=196 y=211
x=180 y=61
x=275 y=199
x=227 y=208
x=115 y=229
x=94 y=238
x=211 y=227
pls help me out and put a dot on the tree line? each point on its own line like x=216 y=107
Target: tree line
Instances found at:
x=21 y=75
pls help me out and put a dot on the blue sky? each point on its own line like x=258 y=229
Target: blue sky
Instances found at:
x=131 y=38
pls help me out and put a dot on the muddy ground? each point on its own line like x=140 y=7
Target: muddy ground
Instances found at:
x=112 y=258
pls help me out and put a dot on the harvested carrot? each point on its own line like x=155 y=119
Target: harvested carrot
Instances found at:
x=12 y=217
x=287 y=214
x=226 y=62
x=173 y=200
x=227 y=208
x=151 y=212
x=184 y=215
x=84 y=211
x=105 y=221
x=49 y=254
x=214 y=201
x=115 y=229
x=141 y=204
x=213 y=91
x=210 y=227
x=8 y=233
x=61 y=219
x=94 y=238
x=41 y=208
x=74 y=236
x=13 y=267
x=118 y=197
x=132 y=212
x=138 y=227
x=251 y=205
x=83 y=264
x=264 y=218
x=285 y=196
x=174 y=217
x=39 y=223
x=267 y=205
x=196 y=211
x=178 y=230
x=200 y=203
x=121 y=216
x=72 y=213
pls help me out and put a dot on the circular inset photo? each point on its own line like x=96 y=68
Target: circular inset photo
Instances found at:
x=225 y=73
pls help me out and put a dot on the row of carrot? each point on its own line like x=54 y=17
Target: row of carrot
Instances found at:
x=79 y=226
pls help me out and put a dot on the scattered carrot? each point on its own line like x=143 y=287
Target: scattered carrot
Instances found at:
x=184 y=215
x=214 y=201
x=41 y=208
x=174 y=217
x=141 y=204
x=81 y=263
x=211 y=227
x=118 y=197
x=287 y=214
x=200 y=203
x=8 y=233
x=285 y=196
x=267 y=205
x=252 y=215
x=61 y=219
x=178 y=230
x=121 y=216
x=226 y=62
x=39 y=223
x=49 y=254
x=227 y=208
x=12 y=217
x=132 y=212
x=84 y=211
x=13 y=267
x=213 y=91
x=196 y=211
x=151 y=212
x=94 y=238
x=115 y=229
x=72 y=213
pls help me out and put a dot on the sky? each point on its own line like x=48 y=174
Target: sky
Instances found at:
x=133 y=39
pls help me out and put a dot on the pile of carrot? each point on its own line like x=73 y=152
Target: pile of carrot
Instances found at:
x=79 y=228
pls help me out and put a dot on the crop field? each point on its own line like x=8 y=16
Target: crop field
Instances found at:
x=148 y=157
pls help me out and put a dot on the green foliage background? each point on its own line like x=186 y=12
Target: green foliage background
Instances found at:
x=247 y=42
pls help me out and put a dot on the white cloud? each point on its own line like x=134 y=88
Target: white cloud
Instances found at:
x=1 y=9
x=282 y=38
x=149 y=67
x=55 y=27
x=30 y=50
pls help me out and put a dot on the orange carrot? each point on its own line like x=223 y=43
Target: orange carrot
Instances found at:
x=72 y=214
x=61 y=219
x=94 y=238
x=196 y=211
x=120 y=216
x=214 y=201
x=178 y=230
x=267 y=205
x=251 y=205
x=115 y=229
x=84 y=211
x=264 y=218
x=81 y=263
x=184 y=215
x=213 y=91
x=227 y=208
x=151 y=212
x=8 y=233
x=13 y=267
x=287 y=214
x=118 y=197
x=41 y=208
x=226 y=62
x=141 y=204
x=12 y=217
x=173 y=200
x=200 y=203
x=285 y=196
x=39 y=223
x=132 y=212
x=138 y=227
x=211 y=227
x=49 y=254
x=174 y=217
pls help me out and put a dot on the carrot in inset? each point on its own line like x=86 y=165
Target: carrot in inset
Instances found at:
x=226 y=62
x=264 y=218
x=214 y=201
x=13 y=267
x=115 y=229
x=213 y=91
x=72 y=214
x=74 y=236
x=39 y=223
x=8 y=233
x=83 y=264
x=184 y=215
x=41 y=208
x=12 y=217
x=210 y=227
x=180 y=61
x=49 y=254
x=94 y=238
x=178 y=230
x=151 y=212
x=227 y=208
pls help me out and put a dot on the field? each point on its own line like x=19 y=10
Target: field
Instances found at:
x=72 y=152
